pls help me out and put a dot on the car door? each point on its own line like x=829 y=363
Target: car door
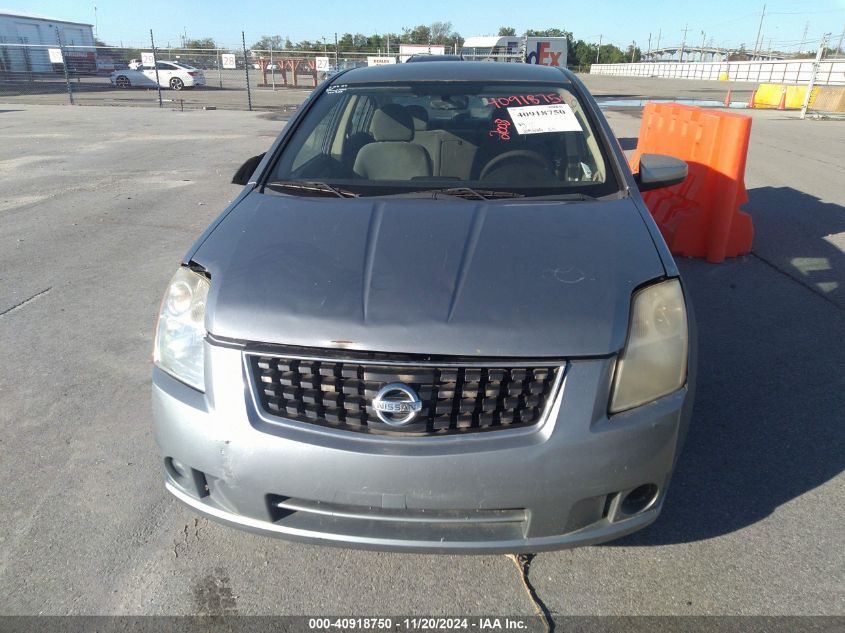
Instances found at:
x=165 y=72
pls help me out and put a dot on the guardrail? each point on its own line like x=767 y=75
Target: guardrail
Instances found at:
x=830 y=72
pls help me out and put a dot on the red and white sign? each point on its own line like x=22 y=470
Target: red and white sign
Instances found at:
x=374 y=60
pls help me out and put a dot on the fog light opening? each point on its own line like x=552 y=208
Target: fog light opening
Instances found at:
x=639 y=499
x=189 y=479
x=176 y=469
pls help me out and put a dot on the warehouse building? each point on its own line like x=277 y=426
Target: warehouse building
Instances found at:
x=25 y=40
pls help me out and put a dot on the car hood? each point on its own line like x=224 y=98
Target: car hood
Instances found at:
x=439 y=277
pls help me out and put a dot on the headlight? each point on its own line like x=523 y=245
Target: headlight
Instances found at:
x=181 y=328
x=654 y=361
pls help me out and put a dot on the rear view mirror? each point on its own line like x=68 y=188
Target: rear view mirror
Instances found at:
x=659 y=170
x=246 y=170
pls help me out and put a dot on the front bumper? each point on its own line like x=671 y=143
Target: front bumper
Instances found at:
x=561 y=484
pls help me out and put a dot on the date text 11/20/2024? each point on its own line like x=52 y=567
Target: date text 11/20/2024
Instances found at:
x=421 y=624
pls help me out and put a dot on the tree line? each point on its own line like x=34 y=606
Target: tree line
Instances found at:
x=580 y=53
x=436 y=33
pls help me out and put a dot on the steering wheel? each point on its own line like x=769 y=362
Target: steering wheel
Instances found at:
x=523 y=155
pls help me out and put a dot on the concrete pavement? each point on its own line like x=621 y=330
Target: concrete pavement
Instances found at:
x=97 y=205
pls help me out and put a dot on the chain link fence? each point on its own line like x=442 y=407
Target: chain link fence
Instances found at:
x=182 y=78
x=226 y=78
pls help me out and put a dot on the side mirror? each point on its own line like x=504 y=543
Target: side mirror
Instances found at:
x=246 y=170
x=659 y=170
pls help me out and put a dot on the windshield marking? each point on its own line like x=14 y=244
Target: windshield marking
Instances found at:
x=532 y=99
x=502 y=129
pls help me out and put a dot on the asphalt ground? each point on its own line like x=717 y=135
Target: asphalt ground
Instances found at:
x=97 y=205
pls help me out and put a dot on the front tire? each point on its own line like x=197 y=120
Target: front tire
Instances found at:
x=122 y=81
x=176 y=83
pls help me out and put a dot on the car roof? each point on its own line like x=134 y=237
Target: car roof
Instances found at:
x=427 y=57
x=454 y=71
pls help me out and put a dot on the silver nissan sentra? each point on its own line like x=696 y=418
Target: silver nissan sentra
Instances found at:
x=437 y=318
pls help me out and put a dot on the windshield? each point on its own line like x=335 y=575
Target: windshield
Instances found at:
x=493 y=138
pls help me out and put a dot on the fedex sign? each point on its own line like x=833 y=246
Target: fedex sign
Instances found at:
x=549 y=51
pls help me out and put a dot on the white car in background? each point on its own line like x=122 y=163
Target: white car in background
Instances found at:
x=174 y=75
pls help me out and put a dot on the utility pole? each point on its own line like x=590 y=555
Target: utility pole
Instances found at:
x=702 y=45
x=757 y=41
x=272 y=68
x=155 y=65
x=659 y=33
x=598 y=50
x=96 y=24
x=64 y=64
x=648 y=54
x=633 y=51
x=804 y=37
x=336 y=68
x=683 y=44
x=246 y=72
x=822 y=48
x=839 y=46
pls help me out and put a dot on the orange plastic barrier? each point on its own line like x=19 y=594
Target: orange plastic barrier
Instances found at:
x=699 y=217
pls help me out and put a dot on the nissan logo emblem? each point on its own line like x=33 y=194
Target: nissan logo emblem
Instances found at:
x=396 y=404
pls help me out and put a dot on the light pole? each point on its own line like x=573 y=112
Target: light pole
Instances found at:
x=757 y=41
x=809 y=92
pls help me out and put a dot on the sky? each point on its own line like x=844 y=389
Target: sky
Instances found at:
x=723 y=23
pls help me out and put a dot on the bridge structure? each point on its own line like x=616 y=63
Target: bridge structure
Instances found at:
x=699 y=54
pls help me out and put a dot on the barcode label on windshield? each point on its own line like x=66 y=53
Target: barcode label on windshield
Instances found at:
x=544 y=118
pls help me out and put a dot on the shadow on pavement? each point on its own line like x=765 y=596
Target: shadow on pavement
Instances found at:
x=790 y=231
x=768 y=420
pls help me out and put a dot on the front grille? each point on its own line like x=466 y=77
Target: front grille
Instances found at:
x=455 y=399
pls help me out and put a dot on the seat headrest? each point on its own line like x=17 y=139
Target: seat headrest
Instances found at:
x=392 y=123
x=420 y=116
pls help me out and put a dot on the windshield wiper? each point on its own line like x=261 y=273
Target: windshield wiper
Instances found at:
x=478 y=194
x=566 y=197
x=312 y=185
